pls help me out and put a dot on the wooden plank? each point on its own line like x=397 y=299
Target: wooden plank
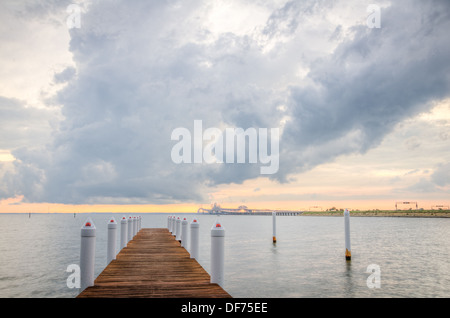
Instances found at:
x=154 y=265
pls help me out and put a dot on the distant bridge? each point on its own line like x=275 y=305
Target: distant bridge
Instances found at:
x=246 y=211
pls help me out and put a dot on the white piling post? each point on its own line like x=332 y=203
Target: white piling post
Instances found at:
x=348 y=253
x=130 y=228
x=178 y=236
x=195 y=229
x=172 y=219
x=87 y=254
x=174 y=226
x=112 y=234
x=217 y=253
x=184 y=233
x=168 y=223
x=123 y=232
x=134 y=226
x=274 y=224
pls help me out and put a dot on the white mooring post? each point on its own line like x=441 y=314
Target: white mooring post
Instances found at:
x=130 y=228
x=172 y=229
x=174 y=226
x=274 y=224
x=348 y=253
x=131 y=220
x=178 y=236
x=217 y=253
x=134 y=226
x=184 y=232
x=123 y=232
x=112 y=234
x=87 y=254
x=195 y=229
x=168 y=223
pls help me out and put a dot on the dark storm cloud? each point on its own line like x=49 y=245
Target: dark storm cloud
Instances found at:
x=369 y=84
x=145 y=68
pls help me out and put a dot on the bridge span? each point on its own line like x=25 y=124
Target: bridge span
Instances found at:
x=243 y=210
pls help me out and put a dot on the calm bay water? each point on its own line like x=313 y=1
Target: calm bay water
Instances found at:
x=307 y=261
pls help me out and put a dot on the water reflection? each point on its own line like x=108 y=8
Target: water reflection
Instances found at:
x=306 y=261
x=349 y=285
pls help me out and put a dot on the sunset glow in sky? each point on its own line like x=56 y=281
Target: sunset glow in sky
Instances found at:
x=87 y=110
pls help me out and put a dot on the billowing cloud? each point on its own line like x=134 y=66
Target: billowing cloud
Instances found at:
x=369 y=84
x=22 y=125
x=145 y=68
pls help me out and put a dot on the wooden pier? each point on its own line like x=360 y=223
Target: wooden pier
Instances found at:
x=154 y=265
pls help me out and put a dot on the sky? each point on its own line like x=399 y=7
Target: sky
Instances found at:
x=92 y=91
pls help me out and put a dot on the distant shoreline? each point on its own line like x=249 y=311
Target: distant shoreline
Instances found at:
x=371 y=213
x=402 y=213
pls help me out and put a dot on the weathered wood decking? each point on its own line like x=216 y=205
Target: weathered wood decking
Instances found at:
x=154 y=265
